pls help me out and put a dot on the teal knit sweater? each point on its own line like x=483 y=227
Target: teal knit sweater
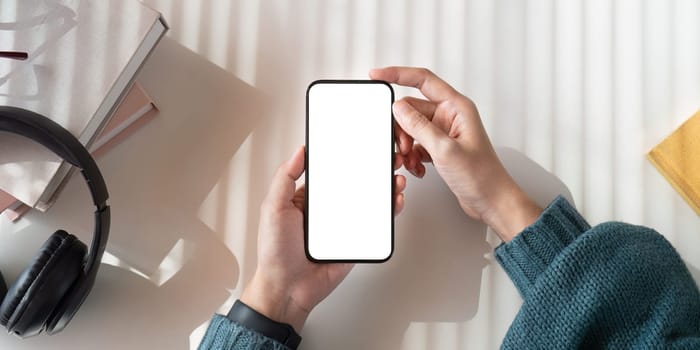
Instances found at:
x=614 y=286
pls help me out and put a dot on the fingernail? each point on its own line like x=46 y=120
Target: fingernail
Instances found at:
x=400 y=107
x=296 y=152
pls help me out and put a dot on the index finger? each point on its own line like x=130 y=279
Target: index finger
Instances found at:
x=429 y=84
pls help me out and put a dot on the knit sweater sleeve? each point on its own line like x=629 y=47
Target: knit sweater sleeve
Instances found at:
x=224 y=334
x=614 y=286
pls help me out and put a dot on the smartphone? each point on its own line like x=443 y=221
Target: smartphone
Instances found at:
x=349 y=215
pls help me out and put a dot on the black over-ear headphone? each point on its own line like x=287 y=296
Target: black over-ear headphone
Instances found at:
x=50 y=290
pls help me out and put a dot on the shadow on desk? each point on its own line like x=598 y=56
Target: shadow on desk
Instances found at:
x=158 y=180
x=174 y=271
x=436 y=271
x=695 y=273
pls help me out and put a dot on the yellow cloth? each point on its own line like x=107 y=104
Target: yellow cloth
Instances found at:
x=678 y=159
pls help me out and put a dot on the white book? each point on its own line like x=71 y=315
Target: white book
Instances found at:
x=83 y=56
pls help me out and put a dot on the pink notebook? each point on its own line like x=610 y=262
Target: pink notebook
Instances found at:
x=6 y=200
x=133 y=112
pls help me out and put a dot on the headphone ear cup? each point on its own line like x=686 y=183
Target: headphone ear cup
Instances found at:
x=43 y=284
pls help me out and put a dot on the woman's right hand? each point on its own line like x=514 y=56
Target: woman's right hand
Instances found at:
x=446 y=130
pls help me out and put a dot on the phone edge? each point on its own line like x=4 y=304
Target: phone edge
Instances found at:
x=306 y=173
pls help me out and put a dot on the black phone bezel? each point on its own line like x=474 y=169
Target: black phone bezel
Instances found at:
x=306 y=172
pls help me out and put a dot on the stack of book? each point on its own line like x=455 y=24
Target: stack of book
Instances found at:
x=75 y=64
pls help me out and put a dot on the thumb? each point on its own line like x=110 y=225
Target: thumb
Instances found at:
x=283 y=188
x=418 y=126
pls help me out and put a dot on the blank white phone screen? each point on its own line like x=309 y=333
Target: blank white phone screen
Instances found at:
x=349 y=171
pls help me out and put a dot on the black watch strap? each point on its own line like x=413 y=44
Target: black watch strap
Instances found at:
x=249 y=318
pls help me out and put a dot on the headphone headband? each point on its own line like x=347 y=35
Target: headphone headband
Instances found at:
x=61 y=142
x=58 y=140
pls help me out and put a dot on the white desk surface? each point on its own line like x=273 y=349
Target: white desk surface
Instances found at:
x=582 y=88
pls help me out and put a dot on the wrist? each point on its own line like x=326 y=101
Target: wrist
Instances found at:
x=511 y=211
x=273 y=302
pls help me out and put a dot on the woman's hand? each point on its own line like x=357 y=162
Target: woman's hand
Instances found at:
x=286 y=285
x=446 y=129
